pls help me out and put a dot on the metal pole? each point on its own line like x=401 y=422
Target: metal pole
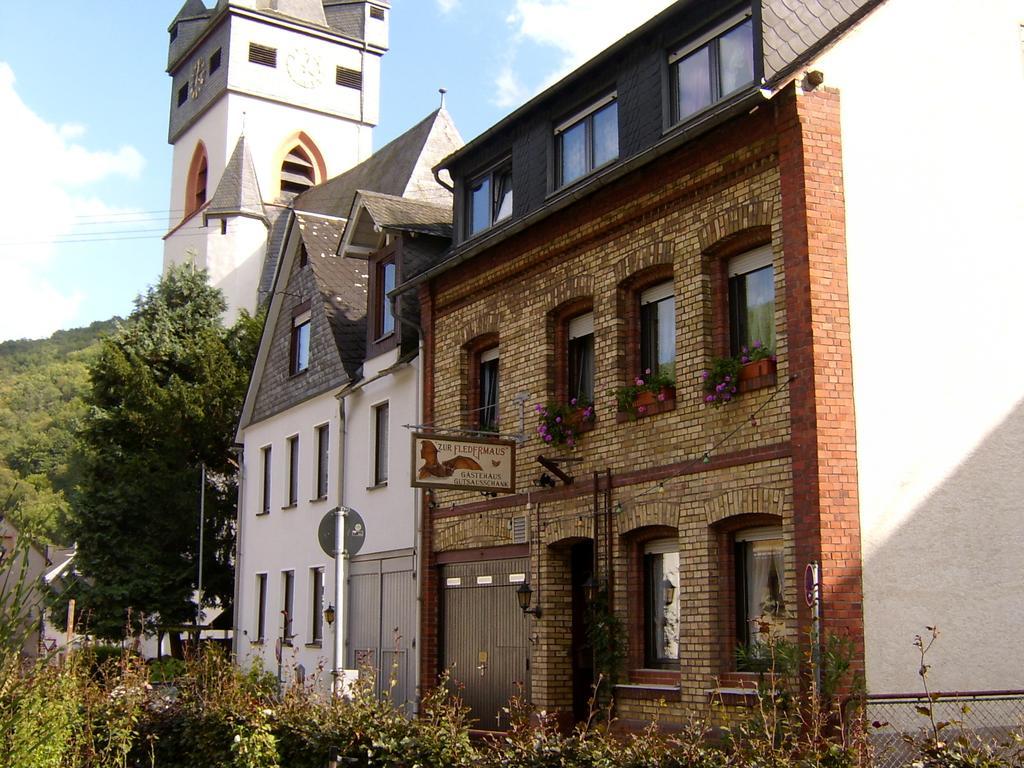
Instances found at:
x=340 y=611
x=202 y=525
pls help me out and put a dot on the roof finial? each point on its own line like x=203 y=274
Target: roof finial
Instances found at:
x=243 y=124
x=442 y=91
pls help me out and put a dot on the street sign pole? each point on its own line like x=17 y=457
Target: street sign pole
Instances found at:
x=340 y=567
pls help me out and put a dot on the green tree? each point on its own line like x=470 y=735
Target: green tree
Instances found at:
x=166 y=391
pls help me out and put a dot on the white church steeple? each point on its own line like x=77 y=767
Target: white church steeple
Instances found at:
x=268 y=97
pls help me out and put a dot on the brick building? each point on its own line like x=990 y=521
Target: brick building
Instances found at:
x=675 y=200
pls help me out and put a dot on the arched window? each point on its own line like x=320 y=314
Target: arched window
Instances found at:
x=298 y=173
x=195 y=187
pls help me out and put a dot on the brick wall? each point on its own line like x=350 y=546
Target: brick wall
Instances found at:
x=681 y=216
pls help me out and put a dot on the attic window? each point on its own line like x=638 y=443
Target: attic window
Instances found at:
x=377 y=13
x=215 y=61
x=297 y=171
x=262 y=54
x=712 y=68
x=349 y=78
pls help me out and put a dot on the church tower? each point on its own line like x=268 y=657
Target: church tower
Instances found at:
x=268 y=98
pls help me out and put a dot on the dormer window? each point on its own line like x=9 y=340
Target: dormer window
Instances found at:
x=713 y=67
x=490 y=198
x=587 y=140
x=300 y=343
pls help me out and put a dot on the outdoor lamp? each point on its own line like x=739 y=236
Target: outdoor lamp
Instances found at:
x=329 y=615
x=524 y=595
x=670 y=591
x=589 y=589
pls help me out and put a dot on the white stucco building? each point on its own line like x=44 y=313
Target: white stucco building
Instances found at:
x=335 y=382
x=932 y=110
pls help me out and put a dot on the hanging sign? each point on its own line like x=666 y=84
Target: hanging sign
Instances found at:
x=464 y=463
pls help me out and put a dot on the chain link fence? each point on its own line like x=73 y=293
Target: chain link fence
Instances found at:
x=991 y=716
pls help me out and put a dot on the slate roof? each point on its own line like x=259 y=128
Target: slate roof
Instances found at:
x=192 y=9
x=398 y=168
x=238 y=192
x=342 y=284
x=793 y=32
x=399 y=213
x=279 y=216
x=796 y=30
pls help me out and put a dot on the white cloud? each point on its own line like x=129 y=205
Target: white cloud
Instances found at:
x=579 y=29
x=54 y=171
x=509 y=89
x=447 y=6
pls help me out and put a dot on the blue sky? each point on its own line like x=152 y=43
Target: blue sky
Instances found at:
x=83 y=126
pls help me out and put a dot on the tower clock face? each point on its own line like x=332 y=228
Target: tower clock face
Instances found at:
x=198 y=78
x=304 y=68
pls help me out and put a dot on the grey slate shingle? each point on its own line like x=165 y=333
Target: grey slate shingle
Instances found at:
x=238 y=191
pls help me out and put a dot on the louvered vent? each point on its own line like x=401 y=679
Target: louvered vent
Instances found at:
x=297 y=172
x=350 y=78
x=519 y=530
x=376 y=13
x=262 y=54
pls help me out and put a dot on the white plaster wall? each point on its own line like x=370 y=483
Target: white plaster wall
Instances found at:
x=235 y=261
x=932 y=100
x=388 y=510
x=285 y=539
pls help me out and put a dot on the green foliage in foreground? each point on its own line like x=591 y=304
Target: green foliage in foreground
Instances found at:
x=217 y=716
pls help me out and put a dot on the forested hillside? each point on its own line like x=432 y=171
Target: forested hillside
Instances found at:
x=41 y=387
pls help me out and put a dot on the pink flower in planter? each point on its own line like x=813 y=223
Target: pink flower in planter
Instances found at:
x=638 y=381
x=661 y=397
x=641 y=409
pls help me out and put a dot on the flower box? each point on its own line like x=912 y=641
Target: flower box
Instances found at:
x=757 y=374
x=648 y=403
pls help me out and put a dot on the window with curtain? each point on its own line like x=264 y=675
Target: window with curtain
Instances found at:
x=760 y=582
x=581 y=359
x=752 y=300
x=661 y=603
x=716 y=65
x=488 y=395
x=658 y=329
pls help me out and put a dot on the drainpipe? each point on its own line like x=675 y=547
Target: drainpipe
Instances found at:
x=236 y=641
x=417 y=540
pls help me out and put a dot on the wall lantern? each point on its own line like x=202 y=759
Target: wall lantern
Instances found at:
x=524 y=594
x=329 y=615
x=670 y=591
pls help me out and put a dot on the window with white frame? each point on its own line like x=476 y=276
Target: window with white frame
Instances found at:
x=316 y=592
x=581 y=359
x=658 y=329
x=260 y=629
x=266 y=459
x=323 y=443
x=661 y=603
x=293 y=470
x=287 y=606
x=760 y=583
x=587 y=140
x=752 y=300
x=300 y=343
x=489 y=198
x=709 y=69
x=380 y=444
